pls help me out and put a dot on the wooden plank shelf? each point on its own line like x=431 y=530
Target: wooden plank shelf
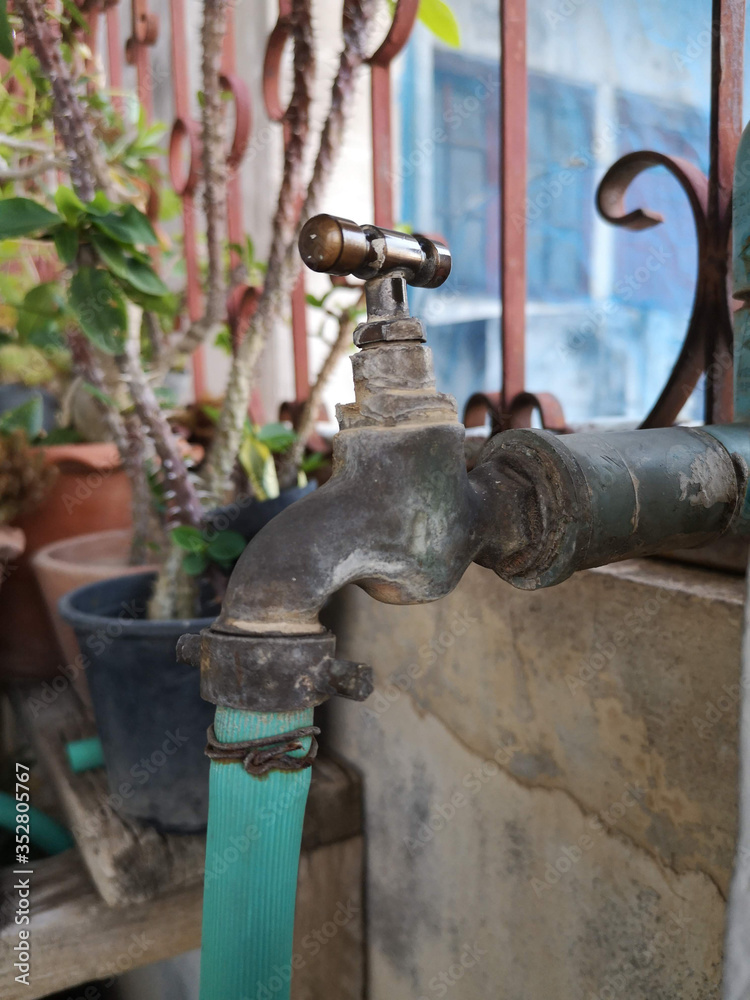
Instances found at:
x=75 y=936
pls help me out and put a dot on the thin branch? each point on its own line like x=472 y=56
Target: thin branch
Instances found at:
x=214 y=159
x=33 y=170
x=215 y=177
x=183 y=505
x=127 y=435
x=134 y=459
x=282 y=276
x=24 y=145
x=88 y=171
x=306 y=425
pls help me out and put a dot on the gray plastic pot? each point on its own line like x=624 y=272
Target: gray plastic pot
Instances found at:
x=151 y=718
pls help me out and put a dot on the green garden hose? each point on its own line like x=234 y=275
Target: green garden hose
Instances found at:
x=44 y=832
x=252 y=858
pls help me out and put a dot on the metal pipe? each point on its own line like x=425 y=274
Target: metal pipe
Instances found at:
x=600 y=498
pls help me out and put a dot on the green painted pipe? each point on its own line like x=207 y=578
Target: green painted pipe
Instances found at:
x=252 y=857
x=85 y=755
x=44 y=832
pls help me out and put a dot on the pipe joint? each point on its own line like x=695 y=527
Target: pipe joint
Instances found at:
x=272 y=673
x=591 y=499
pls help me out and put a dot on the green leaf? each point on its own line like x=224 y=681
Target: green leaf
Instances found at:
x=100 y=309
x=63 y=435
x=99 y=206
x=23 y=217
x=103 y=397
x=224 y=341
x=226 y=546
x=278 y=437
x=312 y=462
x=144 y=279
x=66 y=243
x=438 y=18
x=212 y=412
x=257 y=461
x=26 y=417
x=194 y=563
x=170 y=205
x=40 y=313
x=129 y=269
x=167 y=396
x=6 y=32
x=75 y=15
x=69 y=205
x=189 y=538
x=165 y=305
x=130 y=227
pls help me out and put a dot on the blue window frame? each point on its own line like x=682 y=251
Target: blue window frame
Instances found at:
x=467 y=157
x=560 y=189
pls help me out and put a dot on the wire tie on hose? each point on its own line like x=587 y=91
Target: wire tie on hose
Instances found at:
x=269 y=753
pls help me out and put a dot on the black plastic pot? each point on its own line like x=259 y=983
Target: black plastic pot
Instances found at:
x=151 y=718
x=249 y=518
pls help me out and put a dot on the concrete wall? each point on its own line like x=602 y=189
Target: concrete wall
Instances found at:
x=549 y=785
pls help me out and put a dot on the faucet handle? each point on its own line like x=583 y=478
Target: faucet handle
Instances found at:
x=339 y=246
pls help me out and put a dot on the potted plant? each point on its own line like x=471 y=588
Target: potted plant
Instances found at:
x=117 y=317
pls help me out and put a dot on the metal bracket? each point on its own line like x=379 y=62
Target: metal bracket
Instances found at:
x=266 y=673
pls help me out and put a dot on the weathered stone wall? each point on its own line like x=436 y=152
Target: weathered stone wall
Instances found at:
x=549 y=785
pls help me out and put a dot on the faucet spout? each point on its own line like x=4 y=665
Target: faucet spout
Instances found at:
x=409 y=513
x=399 y=518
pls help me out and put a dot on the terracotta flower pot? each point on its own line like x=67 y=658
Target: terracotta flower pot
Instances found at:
x=91 y=493
x=73 y=562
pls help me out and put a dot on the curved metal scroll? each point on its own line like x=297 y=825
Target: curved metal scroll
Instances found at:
x=522 y=408
x=710 y=313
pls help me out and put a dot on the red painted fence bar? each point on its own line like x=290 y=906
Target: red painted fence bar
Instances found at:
x=401 y=27
x=144 y=32
x=727 y=52
x=513 y=157
x=184 y=142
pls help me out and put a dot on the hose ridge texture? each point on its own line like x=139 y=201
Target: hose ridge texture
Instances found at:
x=252 y=858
